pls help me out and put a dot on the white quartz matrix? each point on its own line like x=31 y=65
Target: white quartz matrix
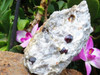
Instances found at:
x=47 y=43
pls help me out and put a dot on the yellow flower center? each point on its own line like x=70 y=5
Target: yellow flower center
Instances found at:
x=90 y=51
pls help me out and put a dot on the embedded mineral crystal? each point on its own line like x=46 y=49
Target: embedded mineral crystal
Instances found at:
x=60 y=39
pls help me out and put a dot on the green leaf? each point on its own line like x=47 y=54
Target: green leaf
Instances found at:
x=40 y=10
x=51 y=8
x=92 y=4
x=31 y=11
x=65 y=6
x=21 y=13
x=11 y=20
x=5 y=5
x=22 y=23
x=46 y=1
x=97 y=29
x=93 y=8
x=98 y=14
x=54 y=0
x=17 y=49
x=2 y=35
x=60 y=4
x=4 y=48
x=55 y=4
x=3 y=43
x=3 y=40
x=6 y=15
x=0 y=2
x=5 y=21
x=73 y=2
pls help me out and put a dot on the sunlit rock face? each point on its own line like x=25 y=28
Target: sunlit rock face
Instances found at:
x=60 y=39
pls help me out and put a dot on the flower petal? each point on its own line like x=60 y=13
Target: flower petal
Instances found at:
x=90 y=51
x=23 y=39
x=90 y=57
x=34 y=29
x=82 y=55
x=28 y=35
x=95 y=62
x=25 y=43
x=96 y=52
x=20 y=34
x=38 y=28
x=76 y=58
x=89 y=43
x=88 y=68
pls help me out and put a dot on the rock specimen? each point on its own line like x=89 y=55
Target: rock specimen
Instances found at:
x=56 y=43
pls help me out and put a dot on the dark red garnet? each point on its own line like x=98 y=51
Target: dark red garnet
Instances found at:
x=63 y=50
x=69 y=38
x=32 y=59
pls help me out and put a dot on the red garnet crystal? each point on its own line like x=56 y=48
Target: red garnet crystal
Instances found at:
x=68 y=38
x=63 y=50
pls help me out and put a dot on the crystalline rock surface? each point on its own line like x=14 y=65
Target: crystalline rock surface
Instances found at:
x=48 y=46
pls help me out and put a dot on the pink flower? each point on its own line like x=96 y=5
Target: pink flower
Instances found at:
x=24 y=37
x=90 y=55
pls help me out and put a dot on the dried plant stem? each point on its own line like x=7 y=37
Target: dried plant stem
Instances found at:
x=37 y=17
x=46 y=9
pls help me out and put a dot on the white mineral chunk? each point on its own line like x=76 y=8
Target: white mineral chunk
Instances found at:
x=47 y=53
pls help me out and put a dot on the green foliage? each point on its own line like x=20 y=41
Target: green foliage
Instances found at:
x=3 y=40
x=17 y=49
x=5 y=13
x=21 y=13
x=4 y=48
x=98 y=14
x=60 y=4
x=73 y=2
x=5 y=21
x=40 y=10
x=65 y=6
x=51 y=8
x=22 y=23
x=57 y=5
x=93 y=7
x=5 y=4
x=97 y=29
